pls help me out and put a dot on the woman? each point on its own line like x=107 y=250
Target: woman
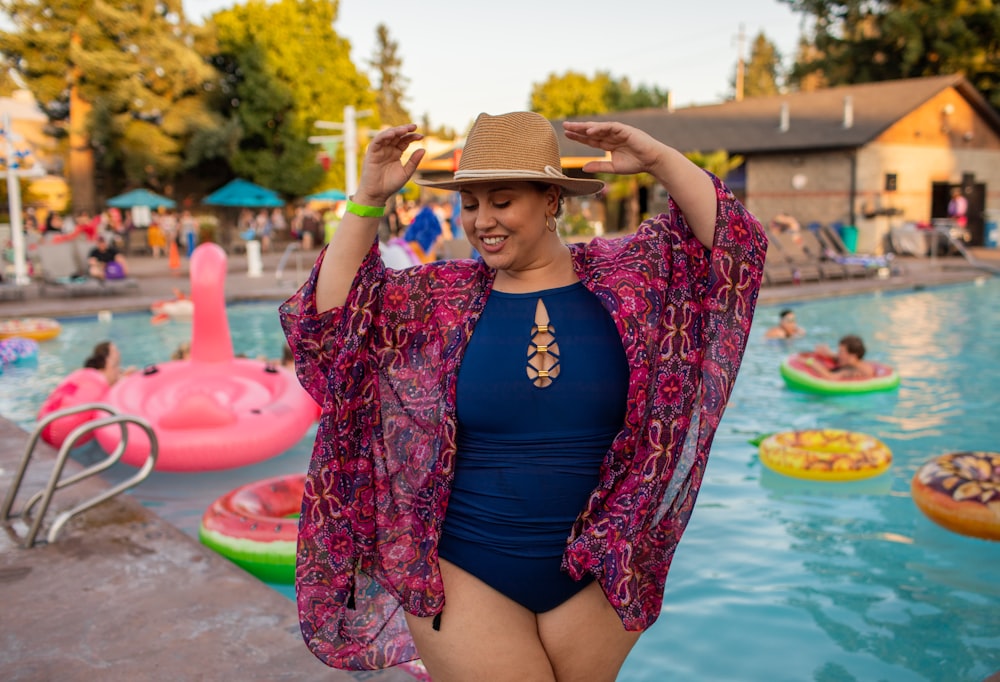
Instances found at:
x=107 y=359
x=537 y=419
x=89 y=384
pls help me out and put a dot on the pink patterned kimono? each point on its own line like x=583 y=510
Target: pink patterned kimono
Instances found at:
x=385 y=365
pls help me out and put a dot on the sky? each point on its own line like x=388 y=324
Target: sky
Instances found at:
x=463 y=58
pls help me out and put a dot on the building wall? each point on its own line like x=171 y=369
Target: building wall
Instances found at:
x=813 y=187
x=939 y=142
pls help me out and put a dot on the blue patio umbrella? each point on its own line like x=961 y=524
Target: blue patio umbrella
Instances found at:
x=244 y=194
x=328 y=195
x=141 y=197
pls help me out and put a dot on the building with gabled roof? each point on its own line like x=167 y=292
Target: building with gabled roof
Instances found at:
x=874 y=155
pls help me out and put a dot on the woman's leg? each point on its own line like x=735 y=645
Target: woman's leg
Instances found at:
x=484 y=635
x=584 y=638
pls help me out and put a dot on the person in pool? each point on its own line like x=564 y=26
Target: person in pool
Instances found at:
x=106 y=359
x=787 y=327
x=848 y=362
x=511 y=447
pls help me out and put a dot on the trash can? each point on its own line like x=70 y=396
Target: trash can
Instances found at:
x=849 y=235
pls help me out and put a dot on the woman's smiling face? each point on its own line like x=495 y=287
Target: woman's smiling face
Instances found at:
x=506 y=222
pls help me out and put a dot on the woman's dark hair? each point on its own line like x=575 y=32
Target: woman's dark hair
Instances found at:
x=99 y=356
x=544 y=186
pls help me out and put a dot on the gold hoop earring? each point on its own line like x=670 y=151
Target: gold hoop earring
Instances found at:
x=555 y=225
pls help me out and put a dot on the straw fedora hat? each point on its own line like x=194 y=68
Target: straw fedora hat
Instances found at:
x=519 y=146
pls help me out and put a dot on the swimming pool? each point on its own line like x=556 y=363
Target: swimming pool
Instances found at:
x=776 y=578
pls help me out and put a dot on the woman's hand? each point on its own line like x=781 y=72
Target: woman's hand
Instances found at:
x=632 y=151
x=383 y=172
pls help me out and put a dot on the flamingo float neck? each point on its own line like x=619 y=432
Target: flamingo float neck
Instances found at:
x=210 y=337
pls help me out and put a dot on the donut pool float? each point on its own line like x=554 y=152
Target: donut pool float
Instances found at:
x=35 y=328
x=797 y=373
x=961 y=491
x=16 y=350
x=256 y=527
x=825 y=455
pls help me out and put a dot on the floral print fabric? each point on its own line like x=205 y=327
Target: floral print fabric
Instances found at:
x=384 y=367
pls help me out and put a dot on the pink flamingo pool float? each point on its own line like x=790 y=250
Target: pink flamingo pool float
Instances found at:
x=212 y=411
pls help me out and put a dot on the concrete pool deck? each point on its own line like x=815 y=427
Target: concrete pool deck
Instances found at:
x=123 y=595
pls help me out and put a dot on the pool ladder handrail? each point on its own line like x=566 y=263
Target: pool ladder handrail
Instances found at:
x=279 y=272
x=45 y=496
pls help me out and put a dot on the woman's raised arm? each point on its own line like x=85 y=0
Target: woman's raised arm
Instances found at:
x=633 y=151
x=383 y=173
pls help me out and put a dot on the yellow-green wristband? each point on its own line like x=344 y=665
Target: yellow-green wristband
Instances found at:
x=365 y=211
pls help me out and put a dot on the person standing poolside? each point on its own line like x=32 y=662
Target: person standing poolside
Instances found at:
x=510 y=448
x=787 y=327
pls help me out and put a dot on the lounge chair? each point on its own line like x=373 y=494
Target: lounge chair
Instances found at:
x=64 y=271
x=776 y=268
x=804 y=267
x=841 y=254
x=831 y=265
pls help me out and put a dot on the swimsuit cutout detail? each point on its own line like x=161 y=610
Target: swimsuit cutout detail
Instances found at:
x=543 y=351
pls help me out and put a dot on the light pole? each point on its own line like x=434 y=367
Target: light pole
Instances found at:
x=13 y=172
x=350 y=140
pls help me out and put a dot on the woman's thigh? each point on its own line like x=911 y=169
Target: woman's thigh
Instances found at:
x=483 y=635
x=584 y=638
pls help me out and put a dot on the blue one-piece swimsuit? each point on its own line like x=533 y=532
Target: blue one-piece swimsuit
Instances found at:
x=528 y=457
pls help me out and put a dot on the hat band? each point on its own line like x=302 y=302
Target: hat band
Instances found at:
x=490 y=173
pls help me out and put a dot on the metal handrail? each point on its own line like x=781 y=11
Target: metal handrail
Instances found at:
x=45 y=496
x=279 y=272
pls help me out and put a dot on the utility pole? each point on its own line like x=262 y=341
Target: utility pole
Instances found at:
x=13 y=172
x=740 y=64
x=350 y=140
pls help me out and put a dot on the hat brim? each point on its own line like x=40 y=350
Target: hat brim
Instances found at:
x=574 y=187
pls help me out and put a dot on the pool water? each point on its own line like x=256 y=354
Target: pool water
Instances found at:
x=776 y=578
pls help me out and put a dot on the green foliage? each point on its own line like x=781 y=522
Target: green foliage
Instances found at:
x=133 y=62
x=861 y=41
x=620 y=96
x=719 y=163
x=283 y=68
x=574 y=94
x=763 y=70
x=392 y=83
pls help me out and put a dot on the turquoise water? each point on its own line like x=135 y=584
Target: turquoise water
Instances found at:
x=776 y=578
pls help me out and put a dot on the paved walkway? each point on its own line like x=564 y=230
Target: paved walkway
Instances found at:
x=122 y=595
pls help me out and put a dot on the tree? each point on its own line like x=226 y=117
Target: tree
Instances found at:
x=388 y=64
x=124 y=76
x=283 y=68
x=861 y=41
x=572 y=94
x=763 y=70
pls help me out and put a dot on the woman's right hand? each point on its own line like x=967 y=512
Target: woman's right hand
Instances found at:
x=383 y=172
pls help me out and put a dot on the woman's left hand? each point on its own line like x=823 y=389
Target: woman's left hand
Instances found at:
x=632 y=151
